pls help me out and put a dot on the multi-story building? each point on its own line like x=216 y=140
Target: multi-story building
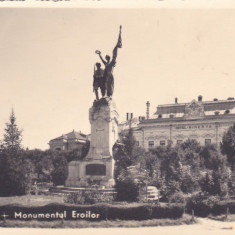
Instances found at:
x=72 y=140
x=204 y=121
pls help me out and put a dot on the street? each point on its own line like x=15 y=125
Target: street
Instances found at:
x=204 y=226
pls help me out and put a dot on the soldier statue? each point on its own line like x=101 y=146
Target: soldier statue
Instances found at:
x=98 y=81
x=108 y=80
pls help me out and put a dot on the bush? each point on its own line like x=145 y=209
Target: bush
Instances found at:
x=177 y=198
x=127 y=191
x=201 y=204
x=88 y=197
x=15 y=174
x=221 y=207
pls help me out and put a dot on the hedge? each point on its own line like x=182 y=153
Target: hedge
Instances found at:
x=53 y=208
x=203 y=209
x=170 y=211
x=142 y=212
x=104 y=211
x=221 y=207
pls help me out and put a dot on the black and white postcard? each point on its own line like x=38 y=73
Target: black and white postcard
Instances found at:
x=117 y=116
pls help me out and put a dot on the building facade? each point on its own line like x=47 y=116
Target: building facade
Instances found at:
x=204 y=121
x=70 y=141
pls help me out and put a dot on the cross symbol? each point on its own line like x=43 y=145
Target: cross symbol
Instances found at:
x=4 y=216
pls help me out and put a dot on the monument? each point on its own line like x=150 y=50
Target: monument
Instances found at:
x=98 y=166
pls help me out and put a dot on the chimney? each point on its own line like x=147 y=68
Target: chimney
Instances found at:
x=131 y=116
x=147 y=110
x=199 y=98
x=127 y=116
x=176 y=100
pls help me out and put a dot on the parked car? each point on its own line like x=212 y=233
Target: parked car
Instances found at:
x=152 y=194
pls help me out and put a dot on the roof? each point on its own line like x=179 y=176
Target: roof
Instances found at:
x=208 y=106
x=182 y=119
x=72 y=135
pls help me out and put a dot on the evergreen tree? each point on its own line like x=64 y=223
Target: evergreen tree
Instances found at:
x=13 y=136
x=15 y=168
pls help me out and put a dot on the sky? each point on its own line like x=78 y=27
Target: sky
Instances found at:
x=48 y=54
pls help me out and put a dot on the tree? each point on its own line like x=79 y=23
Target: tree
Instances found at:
x=127 y=186
x=228 y=146
x=15 y=168
x=127 y=156
x=85 y=149
x=13 y=136
x=15 y=173
x=189 y=154
x=60 y=172
x=126 y=153
x=170 y=176
x=211 y=158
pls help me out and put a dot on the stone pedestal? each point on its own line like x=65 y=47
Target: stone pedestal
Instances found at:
x=98 y=166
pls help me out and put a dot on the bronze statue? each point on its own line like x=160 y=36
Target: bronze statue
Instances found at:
x=98 y=81
x=108 y=80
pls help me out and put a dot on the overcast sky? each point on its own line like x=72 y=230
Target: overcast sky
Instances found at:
x=48 y=55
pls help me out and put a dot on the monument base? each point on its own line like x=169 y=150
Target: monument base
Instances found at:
x=97 y=168
x=89 y=173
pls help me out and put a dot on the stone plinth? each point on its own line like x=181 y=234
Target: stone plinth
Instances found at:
x=98 y=166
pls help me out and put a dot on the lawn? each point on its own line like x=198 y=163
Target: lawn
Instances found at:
x=31 y=200
x=186 y=219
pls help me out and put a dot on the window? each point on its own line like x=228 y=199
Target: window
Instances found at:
x=162 y=142
x=179 y=141
x=207 y=141
x=151 y=144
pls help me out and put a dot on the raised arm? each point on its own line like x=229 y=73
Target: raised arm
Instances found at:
x=104 y=62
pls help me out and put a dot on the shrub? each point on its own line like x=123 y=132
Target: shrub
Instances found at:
x=221 y=207
x=177 y=198
x=74 y=198
x=127 y=190
x=201 y=204
x=169 y=211
x=15 y=174
x=88 y=197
